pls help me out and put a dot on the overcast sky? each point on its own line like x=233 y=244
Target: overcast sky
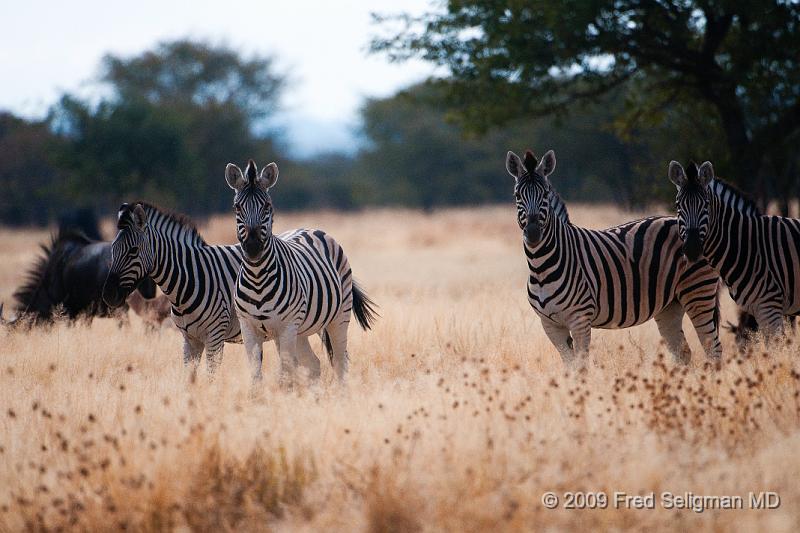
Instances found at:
x=48 y=47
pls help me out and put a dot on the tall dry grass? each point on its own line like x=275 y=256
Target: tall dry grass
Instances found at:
x=458 y=414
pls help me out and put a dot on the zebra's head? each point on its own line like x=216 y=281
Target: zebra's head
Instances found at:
x=131 y=255
x=692 y=204
x=532 y=192
x=252 y=204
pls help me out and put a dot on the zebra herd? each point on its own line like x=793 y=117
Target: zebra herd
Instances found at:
x=291 y=286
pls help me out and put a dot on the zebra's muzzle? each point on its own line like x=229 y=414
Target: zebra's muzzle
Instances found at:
x=113 y=294
x=532 y=233
x=252 y=245
x=693 y=245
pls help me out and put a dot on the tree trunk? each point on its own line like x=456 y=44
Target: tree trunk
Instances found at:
x=745 y=162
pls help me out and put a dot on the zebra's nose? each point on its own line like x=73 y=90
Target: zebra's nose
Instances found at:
x=112 y=295
x=252 y=233
x=693 y=245
x=533 y=230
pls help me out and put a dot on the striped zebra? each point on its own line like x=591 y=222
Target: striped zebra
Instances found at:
x=581 y=279
x=292 y=285
x=198 y=279
x=757 y=256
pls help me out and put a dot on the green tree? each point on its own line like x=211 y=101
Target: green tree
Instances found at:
x=31 y=182
x=735 y=62
x=175 y=116
x=186 y=72
x=415 y=156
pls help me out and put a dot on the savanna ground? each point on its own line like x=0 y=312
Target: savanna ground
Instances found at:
x=457 y=416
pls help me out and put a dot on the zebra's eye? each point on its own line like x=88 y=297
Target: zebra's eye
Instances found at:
x=237 y=209
x=133 y=251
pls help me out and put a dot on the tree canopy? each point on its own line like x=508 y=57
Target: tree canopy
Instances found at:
x=735 y=63
x=175 y=116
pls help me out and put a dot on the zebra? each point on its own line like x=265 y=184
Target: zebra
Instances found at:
x=619 y=277
x=198 y=279
x=757 y=256
x=290 y=286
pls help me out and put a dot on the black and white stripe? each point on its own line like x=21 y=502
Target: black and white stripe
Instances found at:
x=290 y=286
x=757 y=256
x=581 y=279
x=198 y=279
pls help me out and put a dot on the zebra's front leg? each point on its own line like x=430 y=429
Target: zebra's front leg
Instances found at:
x=213 y=356
x=581 y=333
x=287 y=351
x=253 y=344
x=670 y=326
x=706 y=324
x=561 y=339
x=308 y=359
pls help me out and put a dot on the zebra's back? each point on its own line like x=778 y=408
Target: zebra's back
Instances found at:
x=625 y=275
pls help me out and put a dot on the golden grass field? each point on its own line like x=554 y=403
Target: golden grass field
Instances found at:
x=457 y=416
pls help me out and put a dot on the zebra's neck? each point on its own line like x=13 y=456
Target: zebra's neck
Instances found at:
x=549 y=251
x=732 y=221
x=269 y=261
x=174 y=243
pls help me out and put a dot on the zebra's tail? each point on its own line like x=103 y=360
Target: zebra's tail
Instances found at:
x=326 y=340
x=363 y=308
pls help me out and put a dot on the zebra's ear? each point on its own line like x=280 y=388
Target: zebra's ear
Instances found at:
x=268 y=176
x=514 y=165
x=705 y=174
x=139 y=216
x=547 y=164
x=677 y=174
x=234 y=177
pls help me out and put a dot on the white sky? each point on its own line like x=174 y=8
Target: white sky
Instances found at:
x=47 y=47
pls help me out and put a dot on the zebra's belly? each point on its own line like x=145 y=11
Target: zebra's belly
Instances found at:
x=546 y=302
x=202 y=325
x=271 y=322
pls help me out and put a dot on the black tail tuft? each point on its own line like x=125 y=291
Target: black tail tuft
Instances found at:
x=326 y=340
x=363 y=308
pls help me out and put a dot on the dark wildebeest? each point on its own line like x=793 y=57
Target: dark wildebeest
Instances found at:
x=67 y=279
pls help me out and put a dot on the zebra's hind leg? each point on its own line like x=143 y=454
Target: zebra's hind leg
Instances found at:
x=770 y=320
x=670 y=325
x=561 y=339
x=337 y=337
x=308 y=359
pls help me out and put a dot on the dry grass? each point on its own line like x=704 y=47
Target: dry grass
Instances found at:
x=458 y=414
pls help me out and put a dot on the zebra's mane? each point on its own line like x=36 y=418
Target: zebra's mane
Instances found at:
x=734 y=197
x=559 y=206
x=186 y=224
